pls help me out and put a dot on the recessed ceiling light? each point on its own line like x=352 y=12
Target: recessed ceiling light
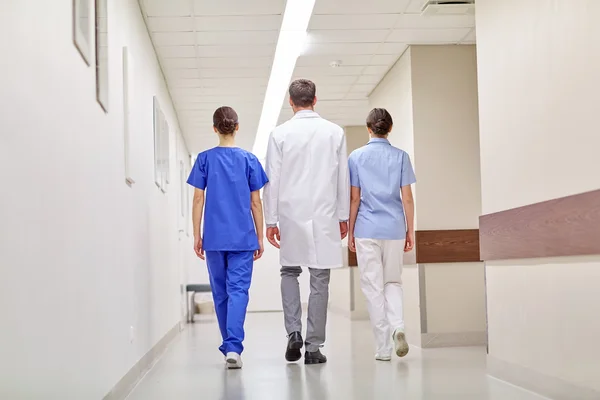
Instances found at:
x=335 y=63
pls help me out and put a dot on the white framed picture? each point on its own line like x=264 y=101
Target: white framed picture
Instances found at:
x=128 y=104
x=157 y=138
x=101 y=23
x=183 y=189
x=161 y=147
x=166 y=141
x=82 y=28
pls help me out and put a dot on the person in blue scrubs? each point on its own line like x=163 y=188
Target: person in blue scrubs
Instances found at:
x=232 y=238
x=382 y=229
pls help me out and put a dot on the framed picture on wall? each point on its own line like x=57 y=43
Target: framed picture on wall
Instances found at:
x=166 y=149
x=161 y=147
x=157 y=148
x=183 y=188
x=128 y=104
x=102 y=53
x=162 y=160
x=82 y=28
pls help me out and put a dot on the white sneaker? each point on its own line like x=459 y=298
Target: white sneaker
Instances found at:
x=380 y=357
x=400 y=343
x=233 y=361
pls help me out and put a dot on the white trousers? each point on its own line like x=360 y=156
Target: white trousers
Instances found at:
x=380 y=265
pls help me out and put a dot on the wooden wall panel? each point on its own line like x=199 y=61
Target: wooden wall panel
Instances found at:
x=446 y=246
x=568 y=226
x=352 y=262
x=441 y=246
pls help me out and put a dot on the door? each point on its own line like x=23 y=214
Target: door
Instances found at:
x=184 y=242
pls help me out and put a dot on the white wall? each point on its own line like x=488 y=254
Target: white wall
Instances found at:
x=538 y=93
x=455 y=297
x=356 y=137
x=394 y=93
x=446 y=136
x=538 y=89
x=412 y=303
x=83 y=257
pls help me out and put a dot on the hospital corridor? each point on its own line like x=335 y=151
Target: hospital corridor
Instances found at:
x=299 y=200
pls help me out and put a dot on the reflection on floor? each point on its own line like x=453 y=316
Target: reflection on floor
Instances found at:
x=193 y=369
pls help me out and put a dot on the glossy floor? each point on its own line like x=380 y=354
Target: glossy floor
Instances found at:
x=192 y=368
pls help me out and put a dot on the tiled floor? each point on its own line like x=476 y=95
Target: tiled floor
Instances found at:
x=194 y=369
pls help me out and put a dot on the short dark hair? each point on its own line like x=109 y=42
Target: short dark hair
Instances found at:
x=303 y=92
x=225 y=119
x=379 y=121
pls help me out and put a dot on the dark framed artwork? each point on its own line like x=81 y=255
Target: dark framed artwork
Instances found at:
x=102 y=53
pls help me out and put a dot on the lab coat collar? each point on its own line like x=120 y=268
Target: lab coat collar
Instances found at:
x=379 y=140
x=306 y=114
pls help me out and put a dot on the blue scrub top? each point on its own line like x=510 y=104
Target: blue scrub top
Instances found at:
x=380 y=170
x=229 y=175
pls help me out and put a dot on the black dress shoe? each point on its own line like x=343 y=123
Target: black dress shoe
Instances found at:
x=314 y=357
x=294 y=345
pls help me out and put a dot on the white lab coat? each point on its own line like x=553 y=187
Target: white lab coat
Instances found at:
x=308 y=193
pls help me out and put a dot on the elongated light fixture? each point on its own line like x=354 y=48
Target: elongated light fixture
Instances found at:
x=292 y=38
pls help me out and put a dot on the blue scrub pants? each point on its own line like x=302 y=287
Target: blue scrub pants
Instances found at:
x=230 y=274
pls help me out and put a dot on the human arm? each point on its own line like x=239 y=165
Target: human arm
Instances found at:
x=257 y=214
x=409 y=212
x=257 y=179
x=343 y=188
x=354 y=198
x=197 y=208
x=198 y=179
x=354 y=204
x=271 y=193
x=408 y=178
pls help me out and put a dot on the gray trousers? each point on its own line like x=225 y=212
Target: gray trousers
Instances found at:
x=317 y=304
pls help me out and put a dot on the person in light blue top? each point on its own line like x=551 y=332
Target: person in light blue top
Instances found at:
x=382 y=229
x=233 y=227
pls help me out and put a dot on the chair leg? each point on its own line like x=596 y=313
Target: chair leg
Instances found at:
x=193 y=307
x=187 y=305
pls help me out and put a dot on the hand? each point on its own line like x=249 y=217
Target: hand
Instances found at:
x=343 y=229
x=198 y=247
x=351 y=243
x=273 y=233
x=261 y=249
x=410 y=242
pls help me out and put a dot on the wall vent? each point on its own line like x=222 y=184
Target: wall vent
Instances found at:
x=442 y=7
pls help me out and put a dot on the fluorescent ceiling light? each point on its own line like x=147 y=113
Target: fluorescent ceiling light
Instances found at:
x=292 y=38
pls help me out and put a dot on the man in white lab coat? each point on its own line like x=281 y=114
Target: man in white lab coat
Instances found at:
x=306 y=210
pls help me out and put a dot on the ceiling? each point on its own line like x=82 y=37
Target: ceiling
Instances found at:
x=216 y=53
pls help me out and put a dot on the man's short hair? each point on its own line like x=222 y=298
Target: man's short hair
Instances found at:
x=303 y=93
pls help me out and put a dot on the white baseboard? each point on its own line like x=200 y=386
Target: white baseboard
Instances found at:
x=534 y=381
x=122 y=389
x=454 y=339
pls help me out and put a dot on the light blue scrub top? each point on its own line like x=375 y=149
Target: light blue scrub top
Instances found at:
x=380 y=170
x=229 y=175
